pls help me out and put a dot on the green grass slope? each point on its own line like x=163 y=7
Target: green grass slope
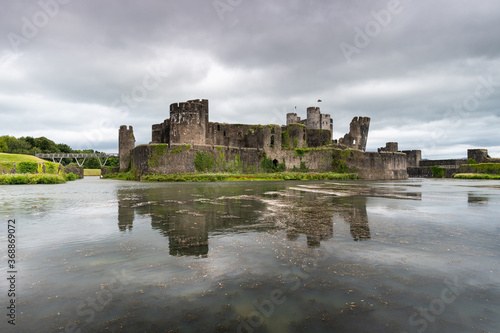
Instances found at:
x=4 y=157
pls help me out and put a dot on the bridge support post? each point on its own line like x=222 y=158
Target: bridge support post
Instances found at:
x=77 y=162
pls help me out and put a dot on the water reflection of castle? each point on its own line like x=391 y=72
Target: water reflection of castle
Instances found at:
x=187 y=222
x=315 y=219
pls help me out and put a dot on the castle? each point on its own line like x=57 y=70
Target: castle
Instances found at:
x=307 y=143
x=188 y=124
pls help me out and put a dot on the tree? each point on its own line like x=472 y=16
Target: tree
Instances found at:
x=3 y=144
x=64 y=148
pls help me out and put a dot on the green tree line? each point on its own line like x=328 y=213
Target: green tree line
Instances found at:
x=28 y=145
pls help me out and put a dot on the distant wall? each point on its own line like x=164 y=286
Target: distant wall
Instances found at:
x=389 y=147
x=448 y=164
x=318 y=137
x=414 y=157
x=372 y=165
x=479 y=155
x=266 y=137
x=419 y=172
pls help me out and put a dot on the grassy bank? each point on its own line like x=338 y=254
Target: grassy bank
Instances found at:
x=19 y=158
x=212 y=177
x=476 y=176
x=22 y=164
x=27 y=169
x=91 y=172
x=15 y=179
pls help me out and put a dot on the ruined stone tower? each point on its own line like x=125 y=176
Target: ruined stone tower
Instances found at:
x=126 y=142
x=358 y=134
x=315 y=119
x=189 y=122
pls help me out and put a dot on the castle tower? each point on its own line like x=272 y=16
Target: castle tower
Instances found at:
x=358 y=134
x=291 y=118
x=189 y=122
x=126 y=142
x=313 y=117
x=326 y=122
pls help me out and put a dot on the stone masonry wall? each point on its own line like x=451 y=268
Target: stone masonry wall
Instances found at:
x=180 y=159
x=160 y=159
x=188 y=123
x=414 y=157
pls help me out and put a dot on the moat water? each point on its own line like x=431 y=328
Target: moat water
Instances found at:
x=395 y=256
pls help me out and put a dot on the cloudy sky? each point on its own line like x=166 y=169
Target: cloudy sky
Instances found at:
x=426 y=72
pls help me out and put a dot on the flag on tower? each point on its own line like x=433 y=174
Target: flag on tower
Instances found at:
x=319 y=100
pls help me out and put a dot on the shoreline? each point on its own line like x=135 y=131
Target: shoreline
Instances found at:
x=214 y=177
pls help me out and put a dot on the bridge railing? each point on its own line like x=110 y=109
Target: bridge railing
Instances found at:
x=76 y=156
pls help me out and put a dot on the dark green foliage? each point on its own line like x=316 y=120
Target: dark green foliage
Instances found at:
x=301 y=152
x=70 y=176
x=6 y=167
x=471 y=161
x=129 y=175
x=269 y=165
x=339 y=163
x=51 y=167
x=490 y=168
x=284 y=137
x=476 y=176
x=30 y=179
x=438 y=172
x=26 y=167
x=203 y=162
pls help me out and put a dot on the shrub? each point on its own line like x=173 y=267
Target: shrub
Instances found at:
x=70 y=176
x=438 y=172
x=339 y=163
x=267 y=165
x=203 y=162
x=7 y=167
x=31 y=179
x=26 y=167
x=471 y=161
x=51 y=167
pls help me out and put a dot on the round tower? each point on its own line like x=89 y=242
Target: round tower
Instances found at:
x=313 y=117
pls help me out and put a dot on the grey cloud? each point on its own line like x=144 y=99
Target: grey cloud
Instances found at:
x=255 y=65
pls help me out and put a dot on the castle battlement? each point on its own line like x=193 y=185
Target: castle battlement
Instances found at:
x=190 y=106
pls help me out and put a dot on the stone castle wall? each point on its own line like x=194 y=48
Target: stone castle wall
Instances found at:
x=160 y=159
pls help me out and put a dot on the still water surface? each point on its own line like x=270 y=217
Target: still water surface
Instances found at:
x=395 y=256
